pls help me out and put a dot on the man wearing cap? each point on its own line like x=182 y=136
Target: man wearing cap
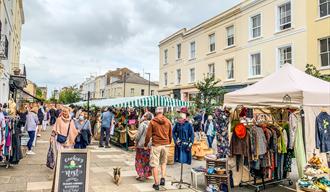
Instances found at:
x=160 y=133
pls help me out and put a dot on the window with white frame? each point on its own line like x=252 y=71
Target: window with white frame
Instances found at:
x=192 y=75
x=284 y=16
x=255 y=66
x=211 y=70
x=230 y=69
x=230 y=35
x=285 y=55
x=178 y=51
x=165 y=79
x=324 y=7
x=255 y=26
x=165 y=56
x=132 y=91
x=192 y=50
x=178 y=76
x=325 y=52
x=212 y=42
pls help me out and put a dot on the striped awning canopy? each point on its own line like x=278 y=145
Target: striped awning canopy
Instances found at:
x=143 y=101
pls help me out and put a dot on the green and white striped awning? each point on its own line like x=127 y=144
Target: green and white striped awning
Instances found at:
x=143 y=101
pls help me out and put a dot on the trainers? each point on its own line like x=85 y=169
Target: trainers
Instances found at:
x=156 y=187
x=162 y=181
x=30 y=153
x=101 y=146
x=38 y=135
x=107 y=146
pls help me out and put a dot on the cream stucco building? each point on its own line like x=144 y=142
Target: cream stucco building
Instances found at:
x=11 y=21
x=318 y=34
x=121 y=82
x=133 y=85
x=242 y=45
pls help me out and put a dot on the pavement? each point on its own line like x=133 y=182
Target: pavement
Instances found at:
x=31 y=174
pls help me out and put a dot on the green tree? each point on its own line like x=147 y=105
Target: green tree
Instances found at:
x=312 y=70
x=210 y=94
x=69 y=95
x=39 y=94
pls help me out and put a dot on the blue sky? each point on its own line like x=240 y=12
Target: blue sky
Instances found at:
x=63 y=42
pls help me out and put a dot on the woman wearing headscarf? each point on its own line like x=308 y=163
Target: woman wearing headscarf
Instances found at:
x=83 y=126
x=142 y=157
x=64 y=131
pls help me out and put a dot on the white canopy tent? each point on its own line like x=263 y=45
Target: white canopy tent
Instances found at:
x=287 y=87
x=303 y=89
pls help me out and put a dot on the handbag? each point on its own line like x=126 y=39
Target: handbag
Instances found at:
x=61 y=138
x=132 y=121
x=50 y=157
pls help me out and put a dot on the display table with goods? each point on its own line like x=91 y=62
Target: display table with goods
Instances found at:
x=316 y=177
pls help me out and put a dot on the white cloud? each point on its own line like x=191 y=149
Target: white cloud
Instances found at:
x=65 y=41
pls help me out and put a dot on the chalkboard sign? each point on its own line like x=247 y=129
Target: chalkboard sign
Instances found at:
x=72 y=171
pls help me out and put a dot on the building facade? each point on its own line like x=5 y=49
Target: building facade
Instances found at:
x=121 y=82
x=134 y=85
x=31 y=88
x=240 y=46
x=11 y=21
x=88 y=86
x=318 y=35
x=100 y=86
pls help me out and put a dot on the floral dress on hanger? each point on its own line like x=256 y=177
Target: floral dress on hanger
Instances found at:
x=222 y=121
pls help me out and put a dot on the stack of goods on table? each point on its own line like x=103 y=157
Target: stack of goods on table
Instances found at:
x=217 y=176
x=316 y=177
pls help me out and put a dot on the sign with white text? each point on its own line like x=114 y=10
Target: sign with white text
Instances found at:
x=72 y=171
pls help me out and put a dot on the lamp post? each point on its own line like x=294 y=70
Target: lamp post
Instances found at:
x=148 y=84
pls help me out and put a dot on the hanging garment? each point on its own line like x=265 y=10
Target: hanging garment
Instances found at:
x=16 y=154
x=240 y=146
x=183 y=135
x=222 y=121
x=299 y=150
x=293 y=123
x=322 y=132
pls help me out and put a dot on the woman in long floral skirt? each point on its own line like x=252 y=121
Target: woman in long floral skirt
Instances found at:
x=142 y=157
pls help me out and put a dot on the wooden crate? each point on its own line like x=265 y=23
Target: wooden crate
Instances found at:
x=216 y=179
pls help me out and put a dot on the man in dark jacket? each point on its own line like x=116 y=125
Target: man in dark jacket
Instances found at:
x=41 y=114
x=52 y=114
x=160 y=133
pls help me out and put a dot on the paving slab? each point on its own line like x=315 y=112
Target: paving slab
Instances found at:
x=39 y=185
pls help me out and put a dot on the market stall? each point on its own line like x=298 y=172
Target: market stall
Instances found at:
x=283 y=93
x=128 y=111
x=140 y=101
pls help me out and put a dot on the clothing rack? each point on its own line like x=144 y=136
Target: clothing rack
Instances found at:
x=7 y=159
x=257 y=185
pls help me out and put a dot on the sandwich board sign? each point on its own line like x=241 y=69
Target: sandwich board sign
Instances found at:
x=72 y=171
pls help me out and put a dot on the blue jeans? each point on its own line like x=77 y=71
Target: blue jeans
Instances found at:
x=210 y=139
x=30 y=142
